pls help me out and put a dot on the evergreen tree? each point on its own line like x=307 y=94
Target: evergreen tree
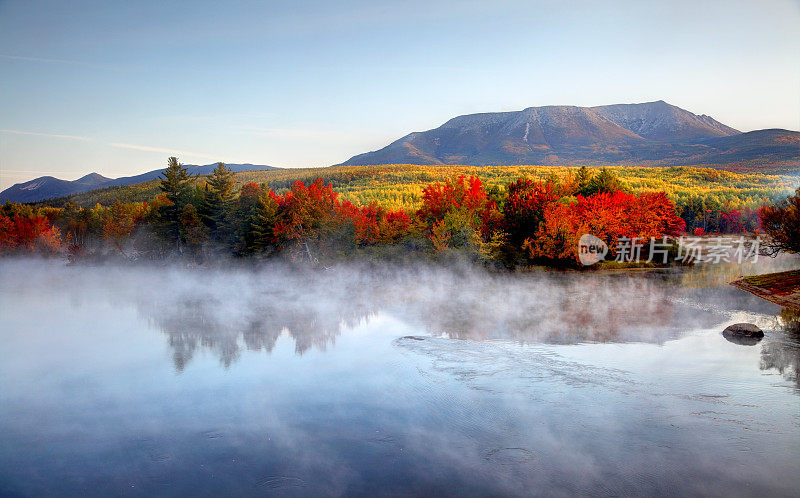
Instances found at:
x=218 y=203
x=175 y=184
x=582 y=180
x=176 y=180
x=262 y=228
x=605 y=181
x=244 y=213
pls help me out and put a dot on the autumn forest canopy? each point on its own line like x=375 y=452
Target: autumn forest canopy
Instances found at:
x=509 y=216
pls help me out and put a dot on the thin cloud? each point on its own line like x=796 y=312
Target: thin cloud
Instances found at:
x=148 y=148
x=68 y=62
x=37 y=59
x=39 y=134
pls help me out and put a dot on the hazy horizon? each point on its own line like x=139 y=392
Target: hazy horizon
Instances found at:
x=116 y=89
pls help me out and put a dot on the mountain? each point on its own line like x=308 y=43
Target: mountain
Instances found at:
x=47 y=187
x=634 y=134
x=664 y=122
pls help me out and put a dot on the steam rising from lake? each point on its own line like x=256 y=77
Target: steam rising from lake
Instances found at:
x=407 y=379
x=230 y=309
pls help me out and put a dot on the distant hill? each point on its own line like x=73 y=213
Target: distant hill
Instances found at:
x=630 y=134
x=47 y=187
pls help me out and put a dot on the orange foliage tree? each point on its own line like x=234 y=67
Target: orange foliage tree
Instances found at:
x=608 y=216
x=22 y=233
x=459 y=214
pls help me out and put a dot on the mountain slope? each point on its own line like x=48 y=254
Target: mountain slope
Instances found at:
x=648 y=133
x=662 y=121
x=48 y=187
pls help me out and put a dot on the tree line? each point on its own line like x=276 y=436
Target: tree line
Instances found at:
x=524 y=221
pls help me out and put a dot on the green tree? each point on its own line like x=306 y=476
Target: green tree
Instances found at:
x=262 y=232
x=175 y=181
x=582 y=180
x=218 y=203
x=605 y=181
x=243 y=216
x=175 y=185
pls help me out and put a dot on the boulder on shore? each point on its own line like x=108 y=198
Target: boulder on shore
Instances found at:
x=745 y=334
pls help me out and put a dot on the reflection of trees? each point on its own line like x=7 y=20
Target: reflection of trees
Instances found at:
x=235 y=311
x=569 y=308
x=227 y=326
x=784 y=355
x=790 y=320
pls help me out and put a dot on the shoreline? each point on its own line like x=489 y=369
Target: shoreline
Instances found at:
x=782 y=288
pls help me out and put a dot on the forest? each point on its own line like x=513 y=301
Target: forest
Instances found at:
x=507 y=216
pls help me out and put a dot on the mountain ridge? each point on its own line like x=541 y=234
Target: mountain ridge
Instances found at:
x=636 y=134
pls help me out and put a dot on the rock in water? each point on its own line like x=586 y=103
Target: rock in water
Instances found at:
x=745 y=334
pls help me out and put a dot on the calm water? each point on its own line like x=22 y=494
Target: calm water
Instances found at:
x=144 y=381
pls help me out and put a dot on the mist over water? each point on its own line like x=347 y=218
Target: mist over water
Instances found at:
x=408 y=379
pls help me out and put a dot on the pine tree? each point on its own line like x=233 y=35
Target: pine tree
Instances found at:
x=175 y=181
x=262 y=234
x=218 y=203
x=605 y=181
x=582 y=180
x=175 y=184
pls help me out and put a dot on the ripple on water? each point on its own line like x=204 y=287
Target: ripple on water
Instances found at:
x=280 y=482
x=510 y=456
x=542 y=375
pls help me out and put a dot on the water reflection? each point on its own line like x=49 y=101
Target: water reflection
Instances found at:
x=192 y=322
x=252 y=310
x=228 y=311
x=565 y=308
x=782 y=353
x=552 y=308
x=92 y=405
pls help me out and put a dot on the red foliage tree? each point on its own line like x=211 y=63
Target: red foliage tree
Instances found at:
x=524 y=208
x=304 y=209
x=731 y=221
x=466 y=195
x=248 y=194
x=782 y=224
x=28 y=234
x=374 y=224
x=608 y=216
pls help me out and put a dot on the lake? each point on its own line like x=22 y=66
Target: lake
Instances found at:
x=142 y=381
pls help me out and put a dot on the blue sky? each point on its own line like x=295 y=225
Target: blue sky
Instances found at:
x=117 y=87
